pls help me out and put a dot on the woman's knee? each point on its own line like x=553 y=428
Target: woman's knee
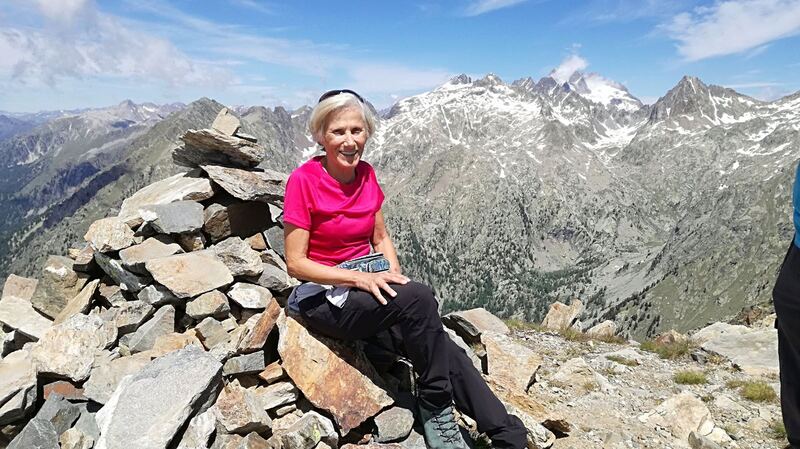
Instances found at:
x=417 y=298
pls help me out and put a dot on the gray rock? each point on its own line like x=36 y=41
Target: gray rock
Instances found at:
x=58 y=284
x=86 y=423
x=192 y=274
x=697 y=441
x=162 y=323
x=199 y=431
x=38 y=434
x=134 y=258
x=276 y=214
x=263 y=186
x=109 y=234
x=128 y=316
x=157 y=295
x=18 y=385
x=469 y=324
x=754 y=351
x=213 y=303
x=249 y=296
x=150 y=407
x=274 y=237
x=246 y=136
x=212 y=331
x=240 y=219
x=271 y=257
x=308 y=431
x=106 y=377
x=69 y=349
x=239 y=411
x=277 y=394
x=239 y=257
x=208 y=146
x=245 y=364
x=127 y=281
x=394 y=424
x=60 y=412
x=226 y=122
x=538 y=435
x=275 y=279
x=19 y=314
x=183 y=186
x=174 y=218
x=84 y=259
x=476 y=361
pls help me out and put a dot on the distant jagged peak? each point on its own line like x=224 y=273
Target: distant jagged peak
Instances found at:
x=526 y=83
x=598 y=89
x=460 y=79
x=489 y=80
x=704 y=105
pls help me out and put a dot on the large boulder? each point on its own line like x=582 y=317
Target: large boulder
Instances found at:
x=239 y=257
x=509 y=363
x=59 y=283
x=470 y=324
x=334 y=376
x=561 y=316
x=191 y=274
x=109 y=234
x=105 y=378
x=136 y=256
x=149 y=408
x=125 y=279
x=209 y=146
x=19 y=314
x=38 y=434
x=239 y=411
x=183 y=186
x=19 y=287
x=69 y=349
x=264 y=186
x=78 y=304
x=682 y=414
x=754 y=351
x=178 y=217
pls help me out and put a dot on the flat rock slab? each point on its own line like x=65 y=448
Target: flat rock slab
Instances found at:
x=331 y=374
x=38 y=434
x=19 y=314
x=257 y=337
x=106 y=377
x=275 y=279
x=277 y=394
x=182 y=186
x=19 y=287
x=562 y=316
x=151 y=406
x=209 y=146
x=239 y=257
x=162 y=323
x=136 y=256
x=78 y=304
x=245 y=364
x=125 y=279
x=263 y=186
x=17 y=381
x=226 y=122
x=58 y=284
x=69 y=349
x=128 y=316
x=60 y=412
x=754 y=351
x=274 y=238
x=191 y=274
x=469 y=324
x=109 y=234
x=174 y=218
x=213 y=303
x=510 y=363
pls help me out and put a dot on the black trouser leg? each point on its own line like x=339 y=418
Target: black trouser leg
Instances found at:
x=414 y=311
x=786 y=296
x=474 y=397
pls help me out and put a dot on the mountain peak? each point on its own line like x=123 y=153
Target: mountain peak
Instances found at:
x=461 y=79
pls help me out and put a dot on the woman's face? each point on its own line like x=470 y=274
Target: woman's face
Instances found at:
x=344 y=138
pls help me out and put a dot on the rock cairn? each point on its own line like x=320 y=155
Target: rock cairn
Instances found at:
x=168 y=330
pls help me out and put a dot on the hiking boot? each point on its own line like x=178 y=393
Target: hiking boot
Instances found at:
x=440 y=428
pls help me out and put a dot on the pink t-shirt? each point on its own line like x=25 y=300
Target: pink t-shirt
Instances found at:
x=339 y=217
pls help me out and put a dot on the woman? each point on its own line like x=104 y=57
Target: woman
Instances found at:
x=786 y=297
x=332 y=214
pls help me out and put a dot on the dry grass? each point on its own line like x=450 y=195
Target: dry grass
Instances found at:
x=667 y=350
x=754 y=390
x=690 y=377
x=622 y=360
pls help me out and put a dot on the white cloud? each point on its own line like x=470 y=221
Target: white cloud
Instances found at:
x=476 y=8
x=78 y=41
x=733 y=26
x=571 y=64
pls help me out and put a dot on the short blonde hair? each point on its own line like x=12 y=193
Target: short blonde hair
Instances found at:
x=325 y=108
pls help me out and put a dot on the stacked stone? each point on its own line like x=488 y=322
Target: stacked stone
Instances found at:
x=168 y=329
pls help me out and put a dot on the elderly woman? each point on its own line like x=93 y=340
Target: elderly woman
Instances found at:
x=332 y=215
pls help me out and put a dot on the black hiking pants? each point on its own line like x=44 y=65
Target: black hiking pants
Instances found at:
x=445 y=372
x=786 y=296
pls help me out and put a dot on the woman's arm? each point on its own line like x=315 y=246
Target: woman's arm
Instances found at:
x=301 y=267
x=383 y=243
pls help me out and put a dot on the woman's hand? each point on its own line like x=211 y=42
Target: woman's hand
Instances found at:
x=375 y=282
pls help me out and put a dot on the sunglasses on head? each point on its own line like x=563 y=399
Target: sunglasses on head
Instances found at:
x=333 y=93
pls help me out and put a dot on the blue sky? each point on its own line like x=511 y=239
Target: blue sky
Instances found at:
x=60 y=54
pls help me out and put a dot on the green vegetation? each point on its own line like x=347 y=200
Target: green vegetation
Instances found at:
x=690 y=377
x=777 y=429
x=754 y=390
x=522 y=325
x=622 y=360
x=667 y=350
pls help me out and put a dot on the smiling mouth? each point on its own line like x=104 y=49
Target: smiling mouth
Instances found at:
x=349 y=153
